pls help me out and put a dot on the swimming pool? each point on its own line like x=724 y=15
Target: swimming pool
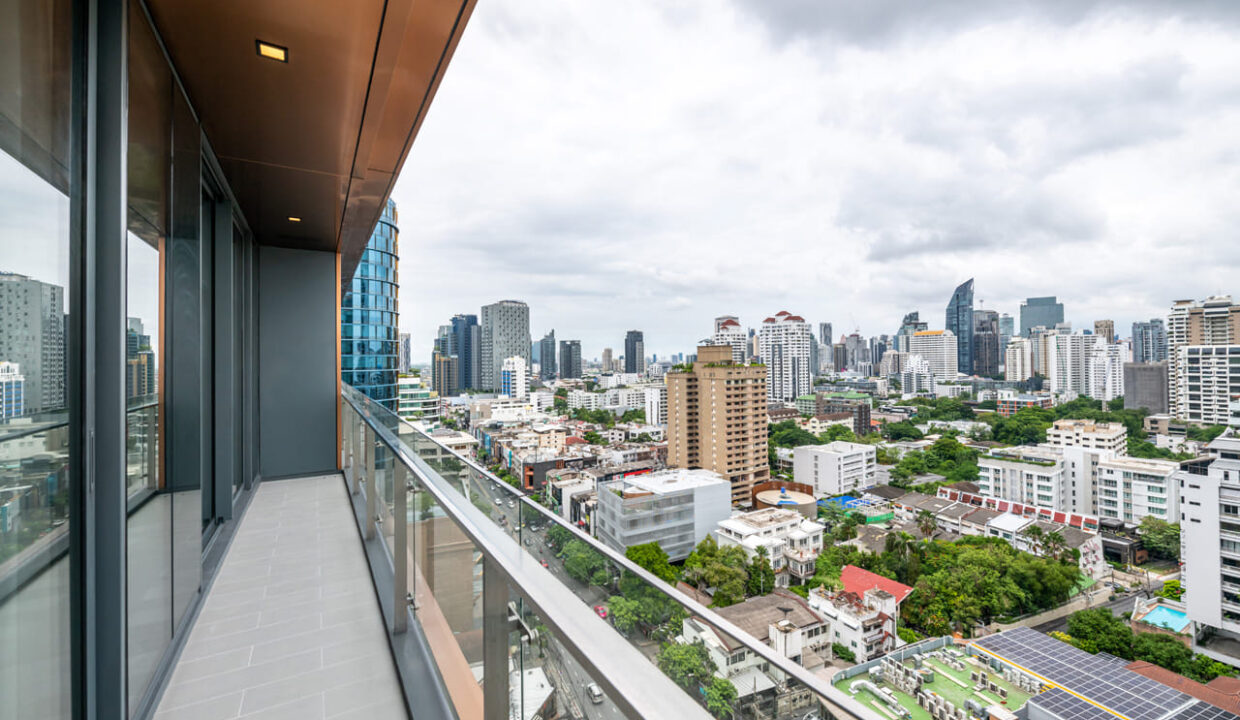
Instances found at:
x=1165 y=617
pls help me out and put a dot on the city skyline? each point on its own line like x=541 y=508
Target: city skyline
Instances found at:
x=657 y=200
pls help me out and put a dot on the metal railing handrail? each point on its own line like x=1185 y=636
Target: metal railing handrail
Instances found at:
x=36 y=429
x=767 y=653
x=609 y=660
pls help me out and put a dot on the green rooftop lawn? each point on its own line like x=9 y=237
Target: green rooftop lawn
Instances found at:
x=943 y=686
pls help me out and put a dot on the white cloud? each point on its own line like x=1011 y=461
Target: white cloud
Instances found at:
x=624 y=166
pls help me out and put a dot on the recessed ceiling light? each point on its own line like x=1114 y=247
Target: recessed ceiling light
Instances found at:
x=293 y=219
x=272 y=52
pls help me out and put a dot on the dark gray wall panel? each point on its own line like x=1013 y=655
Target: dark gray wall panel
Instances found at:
x=296 y=361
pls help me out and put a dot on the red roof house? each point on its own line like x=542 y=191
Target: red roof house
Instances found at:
x=857 y=580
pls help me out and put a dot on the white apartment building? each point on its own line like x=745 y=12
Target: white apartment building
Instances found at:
x=656 y=404
x=1106 y=370
x=835 y=468
x=1210 y=376
x=514 y=382
x=414 y=401
x=676 y=508
x=729 y=332
x=1210 y=322
x=1130 y=489
x=783 y=343
x=938 y=348
x=583 y=400
x=1210 y=549
x=1089 y=434
x=1068 y=363
x=792 y=542
x=625 y=398
x=1018 y=360
x=892 y=363
x=916 y=376
x=1030 y=475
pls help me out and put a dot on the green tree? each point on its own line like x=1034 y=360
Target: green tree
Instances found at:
x=1161 y=537
x=721 y=697
x=902 y=430
x=653 y=558
x=634 y=416
x=761 y=576
x=558 y=536
x=837 y=432
x=1171 y=589
x=1097 y=630
x=927 y=523
x=593 y=438
x=843 y=652
x=581 y=561
x=788 y=434
x=687 y=664
x=1162 y=650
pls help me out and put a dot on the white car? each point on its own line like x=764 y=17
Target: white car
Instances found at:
x=595 y=693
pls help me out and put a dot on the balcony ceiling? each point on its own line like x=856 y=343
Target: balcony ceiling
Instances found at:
x=323 y=136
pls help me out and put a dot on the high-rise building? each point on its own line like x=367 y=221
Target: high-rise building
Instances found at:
x=1146 y=385
x=784 y=346
x=1106 y=330
x=986 y=343
x=467 y=339
x=824 y=334
x=1068 y=362
x=12 y=391
x=369 y=316
x=839 y=357
x=1209 y=548
x=505 y=333
x=32 y=335
x=656 y=404
x=1043 y=311
x=938 y=348
x=406 y=352
x=1214 y=321
x=444 y=374
x=879 y=345
x=140 y=364
x=546 y=356
x=514 y=380
x=1007 y=328
x=909 y=326
x=1106 y=370
x=1149 y=341
x=1018 y=360
x=607 y=363
x=716 y=420
x=892 y=363
x=570 y=359
x=959 y=322
x=858 y=351
x=728 y=331
x=634 y=352
x=1210 y=377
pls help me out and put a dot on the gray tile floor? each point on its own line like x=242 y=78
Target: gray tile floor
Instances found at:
x=290 y=628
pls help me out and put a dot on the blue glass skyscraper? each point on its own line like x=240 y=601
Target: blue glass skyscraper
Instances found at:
x=369 y=316
x=960 y=322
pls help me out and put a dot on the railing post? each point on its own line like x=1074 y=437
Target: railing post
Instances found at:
x=494 y=641
x=400 y=547
x=372 y=487
x=360 y=476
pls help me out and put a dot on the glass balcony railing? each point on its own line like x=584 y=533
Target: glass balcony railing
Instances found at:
x=527 y=616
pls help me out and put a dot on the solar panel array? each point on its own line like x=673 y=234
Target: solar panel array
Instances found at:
x=1118 y=689
x=1066 y=706
x=1205 y=711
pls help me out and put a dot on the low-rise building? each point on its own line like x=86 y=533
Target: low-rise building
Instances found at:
x=818 y=424
x=1032 y=475
x=1130 y=489
x=836 y=467
x=676 y=508
x=1009 y=406
x=863 y=615
x=1089 y=434
x=792 y=542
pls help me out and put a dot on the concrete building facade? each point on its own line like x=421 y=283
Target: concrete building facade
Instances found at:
x=783 y=344
x=835 y=468
x=676 y=508
x=939 y=349
x=505 y=333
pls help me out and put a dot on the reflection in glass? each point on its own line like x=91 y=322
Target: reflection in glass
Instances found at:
x=149 y=530
x=35 y=66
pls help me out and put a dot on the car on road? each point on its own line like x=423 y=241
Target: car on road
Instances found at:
x=512 y=503
x=601 y=611
x=595 y=693
x=544 y=563
x=498 y=501
x=528 y=541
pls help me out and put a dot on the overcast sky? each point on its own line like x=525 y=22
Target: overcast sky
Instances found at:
x=651 y=166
